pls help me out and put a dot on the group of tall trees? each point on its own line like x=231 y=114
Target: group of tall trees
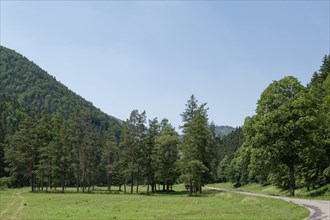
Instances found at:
x=50 y=151
x=145 y=155
x=287 y=140
x=53 y=138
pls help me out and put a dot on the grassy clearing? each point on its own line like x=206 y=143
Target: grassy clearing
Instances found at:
x=22 y=204
x=322 y=193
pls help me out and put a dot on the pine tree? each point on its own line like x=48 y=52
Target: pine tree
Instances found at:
x=196 y=146
x=151 y=154
x=167 y=155
x=133 y=146
x=110 y=155
x=21 y=154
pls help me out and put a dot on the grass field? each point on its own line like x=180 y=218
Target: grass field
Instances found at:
x=22 y=204
x=322 y=193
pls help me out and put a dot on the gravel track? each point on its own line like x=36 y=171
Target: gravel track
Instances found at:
x=319 y=209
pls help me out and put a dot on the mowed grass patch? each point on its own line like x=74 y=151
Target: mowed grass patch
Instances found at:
x=211 y=205
x=322 y=193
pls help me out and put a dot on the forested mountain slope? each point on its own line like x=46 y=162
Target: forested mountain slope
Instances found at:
x=30 y=97
x=24 y=81
x=222 y=131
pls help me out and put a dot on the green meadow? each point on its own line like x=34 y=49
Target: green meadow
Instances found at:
x=99 y=204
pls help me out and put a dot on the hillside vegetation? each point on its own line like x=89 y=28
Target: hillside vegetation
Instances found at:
x=222 y=131
x=287 y=142
x=52 y=138
x=35 y=109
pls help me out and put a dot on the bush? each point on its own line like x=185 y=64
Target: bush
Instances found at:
x=5 y=182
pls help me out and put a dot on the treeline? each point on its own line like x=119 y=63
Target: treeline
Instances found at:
x=52 y=138
x=287 y=141
x=29 y=96
x=51 y=152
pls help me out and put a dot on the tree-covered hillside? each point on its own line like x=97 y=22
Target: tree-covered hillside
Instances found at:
x=23 y=81
x=29 y=97
x=222 y=131
x=50 y=137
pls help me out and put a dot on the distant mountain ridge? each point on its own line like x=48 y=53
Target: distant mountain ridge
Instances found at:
x=24 y=81
x=223 y=130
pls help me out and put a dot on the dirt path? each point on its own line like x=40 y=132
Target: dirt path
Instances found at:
x=319 y=209
x=18 y=212
x=18 y=201
x=8 y=207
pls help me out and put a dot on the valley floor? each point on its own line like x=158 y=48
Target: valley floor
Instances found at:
x=22 y=204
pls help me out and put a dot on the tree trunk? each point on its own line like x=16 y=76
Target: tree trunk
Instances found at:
x=148 y=188
x=51 y=180
x=110 y=183
x=190 y=188
x=132 y=183
x=137 y=180
x=63 y=181
x=42 y=181
x=32 y=182
x=78 y=183
x=62 y=186
x=292 y=180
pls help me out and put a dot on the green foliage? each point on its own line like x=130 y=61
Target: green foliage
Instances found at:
x=40 y=127
x=5 y=182
x=198 y=146
x=223 y=169
x=167 y=155
x=286 y=141
x=24 y=81
x=50 y=137
x=230 y=143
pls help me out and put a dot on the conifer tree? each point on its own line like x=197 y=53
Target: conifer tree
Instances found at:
x=167 y=154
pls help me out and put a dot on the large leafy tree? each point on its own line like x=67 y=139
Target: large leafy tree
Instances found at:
x=282 y=130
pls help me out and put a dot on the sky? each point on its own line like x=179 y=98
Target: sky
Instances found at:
x=153 y=55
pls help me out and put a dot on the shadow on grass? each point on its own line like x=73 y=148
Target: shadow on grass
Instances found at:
x=205 y=193
x=317 y=192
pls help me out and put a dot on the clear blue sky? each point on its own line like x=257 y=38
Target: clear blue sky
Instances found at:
x=153 y=55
